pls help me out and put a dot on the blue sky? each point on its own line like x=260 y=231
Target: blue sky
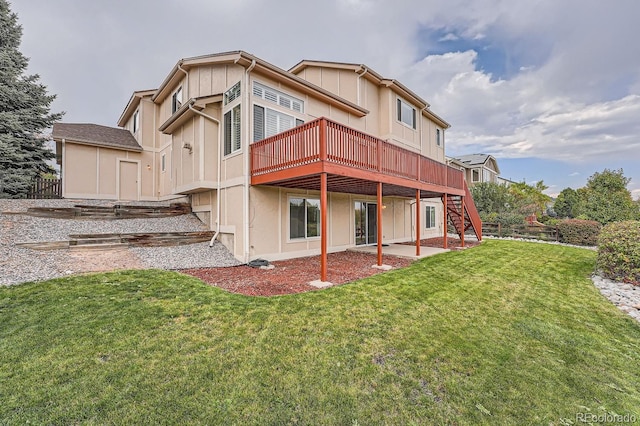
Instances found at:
x=550 y=88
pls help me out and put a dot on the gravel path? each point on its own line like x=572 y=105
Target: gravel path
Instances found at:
x=22 y=265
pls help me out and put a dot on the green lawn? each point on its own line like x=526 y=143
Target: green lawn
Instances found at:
x=505 y=333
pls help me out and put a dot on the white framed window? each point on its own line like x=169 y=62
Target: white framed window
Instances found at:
x=277 y=97
x=163 y=162
x=232 y=94
x=176 y=100
x=406 y=113
x=232 y=130
x=268 y=122
x=136 y=121
x=438 y=140
x=487 y=175
x=475 y=175
x=304 y=218
x=430 y=217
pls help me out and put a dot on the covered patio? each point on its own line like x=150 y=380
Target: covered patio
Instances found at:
x=327 y=156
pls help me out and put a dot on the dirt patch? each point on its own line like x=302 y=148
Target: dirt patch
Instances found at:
x=92 y=260
x=294 y=275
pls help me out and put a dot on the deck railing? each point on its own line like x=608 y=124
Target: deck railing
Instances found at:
x=326 y=140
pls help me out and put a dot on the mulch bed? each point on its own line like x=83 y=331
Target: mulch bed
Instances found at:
x=293 y=275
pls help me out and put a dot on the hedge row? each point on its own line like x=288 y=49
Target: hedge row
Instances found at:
x=579 y=232
x=619 y=251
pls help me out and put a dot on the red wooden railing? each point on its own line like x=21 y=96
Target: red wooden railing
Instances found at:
x=472 y=212
x=345 y=146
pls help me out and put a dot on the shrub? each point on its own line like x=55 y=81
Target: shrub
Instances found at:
x=579 y=232
x=619 y=251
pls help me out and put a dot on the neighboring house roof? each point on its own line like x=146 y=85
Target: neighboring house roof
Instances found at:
x=474 y=160
x=95 y=134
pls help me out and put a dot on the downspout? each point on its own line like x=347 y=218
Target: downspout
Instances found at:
x=365 y=70
x=186 y=74
x=247 y=160
x=215 y=120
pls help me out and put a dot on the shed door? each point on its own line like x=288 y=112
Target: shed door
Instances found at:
x=128 y=187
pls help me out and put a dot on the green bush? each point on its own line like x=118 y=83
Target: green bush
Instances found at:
x=579 y=232
x=619 y=251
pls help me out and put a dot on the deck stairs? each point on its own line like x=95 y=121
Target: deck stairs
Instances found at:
x=470 y=214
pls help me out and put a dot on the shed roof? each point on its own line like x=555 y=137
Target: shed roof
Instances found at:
x=95 y=134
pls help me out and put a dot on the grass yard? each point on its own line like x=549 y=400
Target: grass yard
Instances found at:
x=505 y=333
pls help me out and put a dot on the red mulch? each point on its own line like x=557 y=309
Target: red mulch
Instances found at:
x=293 y=275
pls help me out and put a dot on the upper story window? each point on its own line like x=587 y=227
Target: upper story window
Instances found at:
x=136 y=121
x=406 y=113
x=438 y=138
x=268 y=122
x=232 y=94
x=176 y=100
x=232 y=141
x=272 y=95
x=475 y=175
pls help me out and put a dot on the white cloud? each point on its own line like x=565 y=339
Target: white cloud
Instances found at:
x=574 y=174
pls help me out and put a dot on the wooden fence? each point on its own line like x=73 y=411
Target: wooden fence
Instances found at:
x=534 y=232
x=45 y=188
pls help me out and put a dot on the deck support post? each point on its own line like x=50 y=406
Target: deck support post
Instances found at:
x=323 y=227
x=379 y=223
x=462 y=222
x=418 y=222
x=445 y=243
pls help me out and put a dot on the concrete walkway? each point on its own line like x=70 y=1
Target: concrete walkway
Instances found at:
x=401 y=250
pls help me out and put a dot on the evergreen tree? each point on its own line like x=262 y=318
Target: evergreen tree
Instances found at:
x=24 y=114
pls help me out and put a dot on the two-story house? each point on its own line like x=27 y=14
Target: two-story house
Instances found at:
x=477 y=168
x=322 y=157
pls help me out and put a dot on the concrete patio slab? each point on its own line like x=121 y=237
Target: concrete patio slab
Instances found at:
x=401 y=250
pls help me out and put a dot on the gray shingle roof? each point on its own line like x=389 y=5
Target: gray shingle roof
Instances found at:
x=95 y=134
x=473 y=159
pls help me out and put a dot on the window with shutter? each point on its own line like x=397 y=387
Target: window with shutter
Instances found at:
x=232 y=141
x=272 y=95
x=236 y=127
x=232 y=94
x=268 y=122
x=258 y=123
x=227 y=133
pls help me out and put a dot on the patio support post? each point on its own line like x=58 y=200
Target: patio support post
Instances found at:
x=323 y=227
x=379 y=221
x=417 y=222
x=462 y=223
x=445 y=243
